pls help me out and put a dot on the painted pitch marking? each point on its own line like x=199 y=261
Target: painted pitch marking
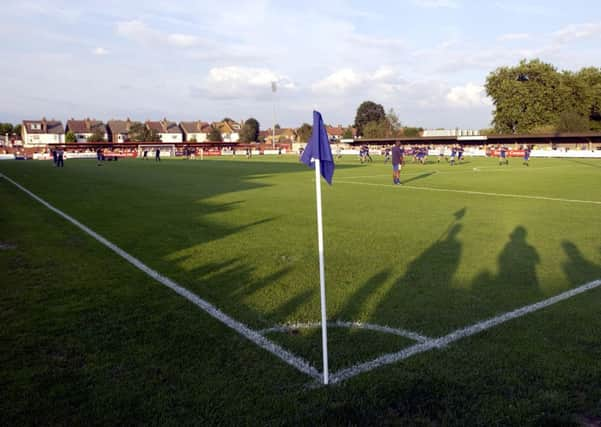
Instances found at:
x=252 y=335
x=352 y=325
x=477 y=193
x=295 y=361
x=476 y=328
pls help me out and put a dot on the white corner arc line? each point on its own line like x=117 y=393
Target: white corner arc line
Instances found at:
x=351 y=325
x=252 y=335
x=476 y=328
x=478 y=193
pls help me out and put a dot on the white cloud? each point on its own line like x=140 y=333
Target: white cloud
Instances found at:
x=469 y=95
x=100 y=51
x=437 y=3
x=578 y=31
x=513 y=36
x=241 y=82
x=140 y=32
x=182 y=40
x=339 y=81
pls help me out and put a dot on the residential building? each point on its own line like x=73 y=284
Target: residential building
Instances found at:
x=166 y=130
x=84 y=129
x=118 y=130
x=195 y=131
x=281 y=135
x=42 y=132
x=229 y=129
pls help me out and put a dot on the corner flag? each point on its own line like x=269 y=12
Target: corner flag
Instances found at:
x=318 y=154
x=318 y=148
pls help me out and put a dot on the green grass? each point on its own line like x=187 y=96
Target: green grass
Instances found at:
x=88 y=337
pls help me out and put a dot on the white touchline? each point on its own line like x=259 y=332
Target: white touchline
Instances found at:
x=478 y=193
x=354 y=325
x=291 y=359
x=386 y=359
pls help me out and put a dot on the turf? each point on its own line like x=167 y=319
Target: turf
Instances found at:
x=90 y=337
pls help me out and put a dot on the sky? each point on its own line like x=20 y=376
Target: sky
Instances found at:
x=206 y=60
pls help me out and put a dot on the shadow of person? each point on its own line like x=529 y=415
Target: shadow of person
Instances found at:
x=518 y=260
x=424 y=291
x=578 y=269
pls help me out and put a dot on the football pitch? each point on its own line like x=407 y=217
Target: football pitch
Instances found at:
x=468 y=295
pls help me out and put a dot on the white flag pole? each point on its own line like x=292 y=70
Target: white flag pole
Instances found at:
x=322 y=278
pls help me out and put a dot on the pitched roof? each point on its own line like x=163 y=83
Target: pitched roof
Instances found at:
x=44 y=126
x=85 y=126
x=194 y=127
x=163 y=126
x=119 y=126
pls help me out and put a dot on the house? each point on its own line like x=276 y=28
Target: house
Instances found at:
x=118 y=130
x=166 y=130
x=229 y=129
x=84 y=129
x=195 y=131
x=281 y=135
x=42 y=132
x=336 y=133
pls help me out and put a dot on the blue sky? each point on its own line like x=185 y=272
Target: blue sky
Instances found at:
x=189 y=60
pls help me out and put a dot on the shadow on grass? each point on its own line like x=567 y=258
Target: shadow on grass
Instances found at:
x=578 y=269
x=418 y=177
x=426 y=299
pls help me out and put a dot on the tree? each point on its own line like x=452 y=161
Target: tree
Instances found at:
x=571 y=121
x=250 y=131
x=591 y=77
x=367 y=112
x=70 y=137
x=412 y=132
x=376 y=129
x=193 y=139
x=215 y=135
x=534 y=96
x=524 y=96
x=97 y=136
x=348 y=133
x=137 y=132
x=151 y=135
x=17 y=129
x=394 y=123
x=304 y=132
x=6 y=128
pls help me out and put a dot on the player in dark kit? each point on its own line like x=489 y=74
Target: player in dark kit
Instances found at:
x=157 y=155
x=527 y=156
x=397 y=161
x=503 y=156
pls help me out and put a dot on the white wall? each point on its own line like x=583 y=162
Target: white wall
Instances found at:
x=199 y=136
x=171 y=137
x=43 y=139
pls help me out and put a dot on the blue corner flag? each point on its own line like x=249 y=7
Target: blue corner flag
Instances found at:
x=319 y=148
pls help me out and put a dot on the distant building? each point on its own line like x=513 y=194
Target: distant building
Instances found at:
x=167 y=131
x=195 y=131
x=83 y=129
x=450 y=132
x=42 y=132
x=118 y=130
x=229 y=129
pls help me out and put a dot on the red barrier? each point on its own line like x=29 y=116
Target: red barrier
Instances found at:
x=510 y=153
